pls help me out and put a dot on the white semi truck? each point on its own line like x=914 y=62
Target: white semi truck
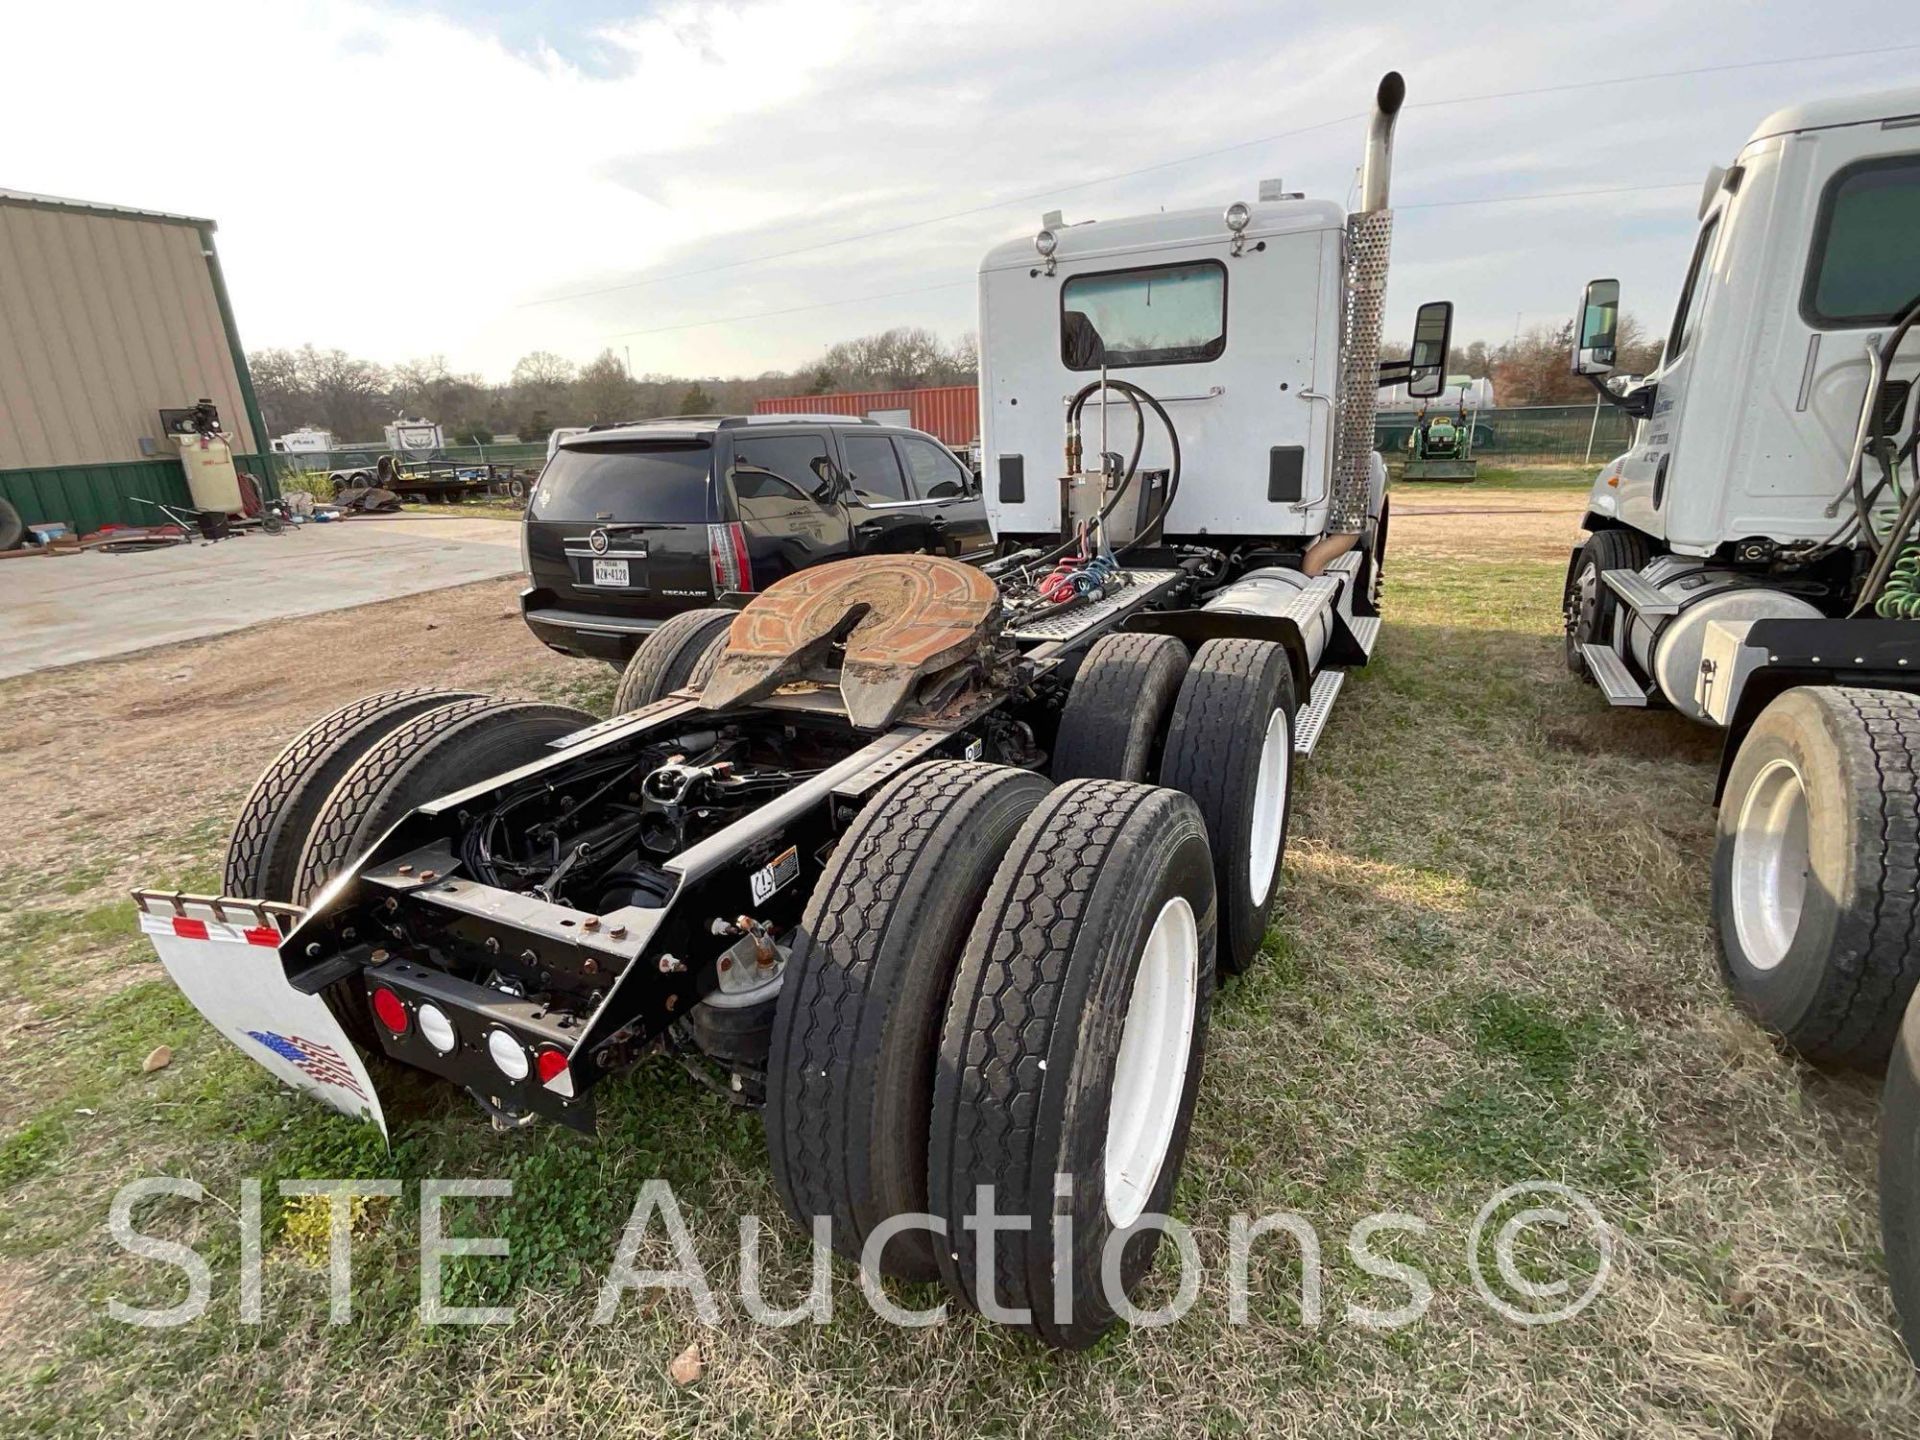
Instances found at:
x=1754 y=563
x=935 y=865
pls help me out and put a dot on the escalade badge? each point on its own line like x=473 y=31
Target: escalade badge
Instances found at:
x=597 y=542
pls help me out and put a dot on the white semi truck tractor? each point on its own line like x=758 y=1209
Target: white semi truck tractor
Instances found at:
x=1754 y=563
x=935 y=865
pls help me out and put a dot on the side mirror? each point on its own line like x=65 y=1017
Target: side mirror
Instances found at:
x=1432 y=342
x=1595 y=328
x=828 y=476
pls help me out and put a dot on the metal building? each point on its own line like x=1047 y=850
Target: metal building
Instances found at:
x=108 y=316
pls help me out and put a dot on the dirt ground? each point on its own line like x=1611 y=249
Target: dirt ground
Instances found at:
x=113 y=750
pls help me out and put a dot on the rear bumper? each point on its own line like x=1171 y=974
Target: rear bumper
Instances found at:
x=584 y=633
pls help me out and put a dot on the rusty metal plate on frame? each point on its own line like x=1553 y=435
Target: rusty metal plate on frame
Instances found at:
x=902 y=618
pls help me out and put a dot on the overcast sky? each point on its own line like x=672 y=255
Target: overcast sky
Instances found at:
x=449 y=176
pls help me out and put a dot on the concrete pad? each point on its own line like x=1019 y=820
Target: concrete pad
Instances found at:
x=65 y=609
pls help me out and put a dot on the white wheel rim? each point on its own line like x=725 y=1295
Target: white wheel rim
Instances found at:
x=1771 y=862
x=1150 y=1072
x=1269 y=808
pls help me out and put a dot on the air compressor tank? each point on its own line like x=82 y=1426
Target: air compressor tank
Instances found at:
x=211 y=480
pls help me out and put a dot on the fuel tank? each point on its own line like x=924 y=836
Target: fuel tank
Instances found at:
x=1667 y=648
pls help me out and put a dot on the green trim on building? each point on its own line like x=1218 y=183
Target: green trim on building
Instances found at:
x=89 y=496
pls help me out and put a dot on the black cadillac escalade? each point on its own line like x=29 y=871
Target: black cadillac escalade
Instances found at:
x=631 y=524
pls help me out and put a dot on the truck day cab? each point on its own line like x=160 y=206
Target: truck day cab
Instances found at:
x=935 y=864
x=1754 y=563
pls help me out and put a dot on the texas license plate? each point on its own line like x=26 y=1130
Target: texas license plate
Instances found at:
x=610 y=572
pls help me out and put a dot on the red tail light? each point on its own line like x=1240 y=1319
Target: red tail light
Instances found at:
x=551 y=1066
x=387 y=1006
x=727 y=558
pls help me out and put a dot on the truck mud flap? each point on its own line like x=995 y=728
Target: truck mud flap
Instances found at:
x=225 y=957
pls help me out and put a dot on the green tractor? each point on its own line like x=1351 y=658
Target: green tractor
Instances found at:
x=1441 y=446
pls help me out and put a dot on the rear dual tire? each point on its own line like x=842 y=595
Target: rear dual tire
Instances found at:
x=1900 y=1177
x=1230 y=746
x=1115 y=718
x=994 y=985
x=263 y=855
x=682 y=652
x=354 y=772
x=1815 y=870
x=1219 y=728
x=1072 y=1048
x=857 y=1026
x=433 y=754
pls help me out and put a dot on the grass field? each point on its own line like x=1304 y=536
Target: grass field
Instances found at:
x=1492 y=966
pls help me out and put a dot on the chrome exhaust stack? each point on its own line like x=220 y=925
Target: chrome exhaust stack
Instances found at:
x=1376 y=171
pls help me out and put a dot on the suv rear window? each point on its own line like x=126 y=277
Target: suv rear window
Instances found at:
x=667 y=484
x=1865 y=266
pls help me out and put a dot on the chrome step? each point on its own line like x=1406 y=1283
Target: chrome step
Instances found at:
x=1311 y=721
x=1615 y=680
x=1642 y=596
x=1366 y=629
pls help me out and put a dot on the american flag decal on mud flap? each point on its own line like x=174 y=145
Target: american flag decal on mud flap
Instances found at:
x=322 y=1062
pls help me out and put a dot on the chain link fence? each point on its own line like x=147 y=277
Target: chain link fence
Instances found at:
x=1523 y=435
x=366 y=457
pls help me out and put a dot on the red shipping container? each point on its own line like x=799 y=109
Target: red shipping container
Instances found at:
x=950 y=412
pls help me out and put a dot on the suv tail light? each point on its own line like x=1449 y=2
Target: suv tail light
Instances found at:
x=727 y=558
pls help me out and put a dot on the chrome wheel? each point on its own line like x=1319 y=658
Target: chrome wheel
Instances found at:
x=1771 y=862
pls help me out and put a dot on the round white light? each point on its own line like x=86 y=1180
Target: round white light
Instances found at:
x=1045 y=242
x=437 y=1028
x=1238 y=216
x=509 y=1056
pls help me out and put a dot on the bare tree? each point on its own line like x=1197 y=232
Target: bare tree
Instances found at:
x=539 y=389
x=604 y=392
x=353 y=397
x=326 y=388
x=899 y=359
x=426 y=387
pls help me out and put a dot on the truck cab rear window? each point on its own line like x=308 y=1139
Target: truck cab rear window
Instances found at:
x=1155 y=315
x=1865 y=265
x=663 y=484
